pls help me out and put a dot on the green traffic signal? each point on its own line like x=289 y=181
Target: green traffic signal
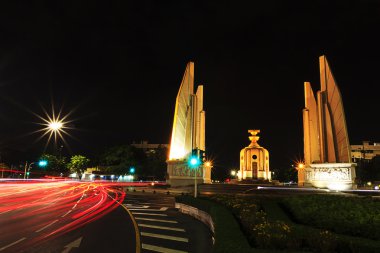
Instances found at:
x=194 y=162
x=42 y=163
x=196 y=159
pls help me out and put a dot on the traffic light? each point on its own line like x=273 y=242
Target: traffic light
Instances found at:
x=194 y=160
x=202 y=156
x=42 y=163
x=132 y=170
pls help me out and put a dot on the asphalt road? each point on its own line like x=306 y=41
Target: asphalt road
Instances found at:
x=163 y=228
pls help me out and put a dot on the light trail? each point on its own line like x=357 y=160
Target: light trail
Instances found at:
x=42 y=210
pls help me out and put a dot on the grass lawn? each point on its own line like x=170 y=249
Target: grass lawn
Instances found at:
x=265 y=223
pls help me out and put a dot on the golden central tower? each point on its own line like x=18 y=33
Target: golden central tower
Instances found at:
x=254 y=160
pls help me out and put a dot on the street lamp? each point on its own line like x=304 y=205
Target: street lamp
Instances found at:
x=300 y=166
x=55 y=125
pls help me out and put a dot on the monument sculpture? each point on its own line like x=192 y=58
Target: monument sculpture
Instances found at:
x=188 y=134
x=254 y=160
x=327 y=150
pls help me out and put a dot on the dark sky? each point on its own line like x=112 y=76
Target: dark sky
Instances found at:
x=120 y=64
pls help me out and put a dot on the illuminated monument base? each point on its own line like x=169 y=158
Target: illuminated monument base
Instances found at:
x=334 y=176
x=179 y=174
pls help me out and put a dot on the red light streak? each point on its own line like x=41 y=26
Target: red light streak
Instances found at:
x=41 y=210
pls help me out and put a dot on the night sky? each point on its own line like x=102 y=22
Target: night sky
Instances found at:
x=118 y=66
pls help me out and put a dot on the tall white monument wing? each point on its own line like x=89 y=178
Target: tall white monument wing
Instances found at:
x=180 y=144
x=335 y=112
x=310 y=126
x=199 y=120
x=326 y=137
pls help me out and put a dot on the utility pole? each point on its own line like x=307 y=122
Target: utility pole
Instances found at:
x=26 y=166
x=195 y=183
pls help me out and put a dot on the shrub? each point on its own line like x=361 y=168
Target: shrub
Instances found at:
x=347 y=215
x=322 y=241
x=271 y=235
x=261 y=232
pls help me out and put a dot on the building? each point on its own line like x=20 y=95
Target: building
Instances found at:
x=149 y=148
x=367 y=151
x=188 y=134
x=254 y=160
x=327 y=151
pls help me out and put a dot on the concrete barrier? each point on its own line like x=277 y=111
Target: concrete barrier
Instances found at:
x=197 y=214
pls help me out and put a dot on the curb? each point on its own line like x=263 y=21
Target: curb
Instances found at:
x=154 y=191
x=199 y=215
x=137 y=230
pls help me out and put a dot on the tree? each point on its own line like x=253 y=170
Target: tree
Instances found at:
x=55 y=164
x=149 y=164
x=78 y=164
x=119 y=159
x=155 y=164
x=285 y=174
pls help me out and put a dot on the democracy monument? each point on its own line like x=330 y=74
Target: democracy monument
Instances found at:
x=327 y=150
x=188 y=135
x=254 y=160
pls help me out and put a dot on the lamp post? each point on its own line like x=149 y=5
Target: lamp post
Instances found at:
x=27 y=168
x=301 y=173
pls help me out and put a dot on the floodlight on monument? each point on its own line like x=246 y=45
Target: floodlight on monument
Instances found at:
x=300 y=166
x=177 y=153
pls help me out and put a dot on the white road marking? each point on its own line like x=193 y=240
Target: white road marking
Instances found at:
x=67 y=213
x=48 y=225
x=160 y=249
x=161 y=227
x=158 y=220
x=13 y=243
x=164 y=208
x=150 y=214
x=73 y=244
x=168 y=237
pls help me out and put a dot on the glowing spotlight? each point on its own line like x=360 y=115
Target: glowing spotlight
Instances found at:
x=300 y=165
x=55 y=125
